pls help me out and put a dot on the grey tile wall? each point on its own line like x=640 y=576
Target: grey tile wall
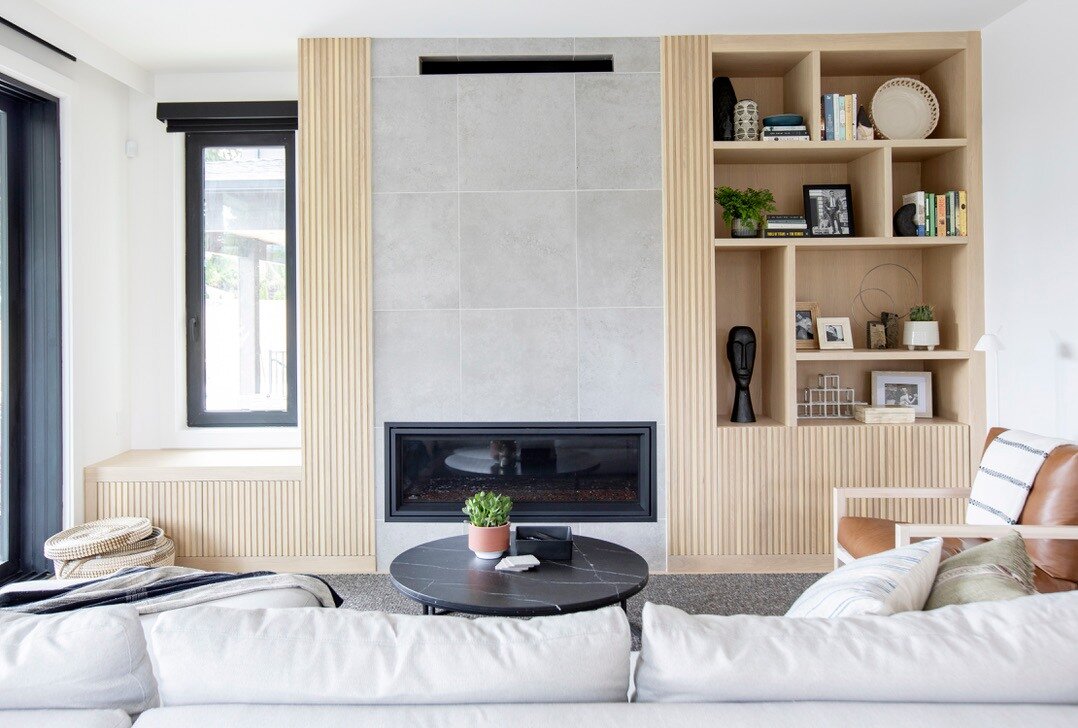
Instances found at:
x=517 y=248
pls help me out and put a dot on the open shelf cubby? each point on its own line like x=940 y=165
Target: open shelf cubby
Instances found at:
x=759 y=280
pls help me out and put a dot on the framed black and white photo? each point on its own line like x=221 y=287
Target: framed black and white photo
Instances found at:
x=903 y=389
x=834 y=332
x=829 y=211
x=805 y=315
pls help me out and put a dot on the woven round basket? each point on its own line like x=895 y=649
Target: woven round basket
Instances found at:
x=157 y=551
x=97 y=537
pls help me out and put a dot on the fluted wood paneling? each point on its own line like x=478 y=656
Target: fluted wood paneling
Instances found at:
x=694 y=496
x=335 y=295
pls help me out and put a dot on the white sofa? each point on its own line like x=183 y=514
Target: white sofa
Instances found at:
x=997 y=663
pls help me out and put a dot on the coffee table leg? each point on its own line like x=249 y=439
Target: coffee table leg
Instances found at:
x=625 y=605
x=426 y=609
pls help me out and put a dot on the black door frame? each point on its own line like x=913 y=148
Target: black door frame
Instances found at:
x=32 y=400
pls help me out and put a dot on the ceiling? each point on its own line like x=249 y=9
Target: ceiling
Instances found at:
x=237 y=35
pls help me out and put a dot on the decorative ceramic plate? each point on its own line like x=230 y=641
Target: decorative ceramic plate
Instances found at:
x=784 y=120
x=904 y=108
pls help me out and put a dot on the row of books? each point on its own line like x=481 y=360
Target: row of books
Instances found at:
x=785 y=226
x=840 y=117
x=785 y=133
x=938 y=215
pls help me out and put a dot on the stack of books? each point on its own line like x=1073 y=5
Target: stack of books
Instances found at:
x=939 y=215
x=785 y=226
x=793 y=133
x=840 y=117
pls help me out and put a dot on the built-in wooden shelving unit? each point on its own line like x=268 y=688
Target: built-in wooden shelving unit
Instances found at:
x=756 y=496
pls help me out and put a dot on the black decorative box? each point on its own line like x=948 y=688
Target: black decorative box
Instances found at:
x=557 y=546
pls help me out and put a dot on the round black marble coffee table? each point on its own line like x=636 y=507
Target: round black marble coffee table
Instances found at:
x=445 y=575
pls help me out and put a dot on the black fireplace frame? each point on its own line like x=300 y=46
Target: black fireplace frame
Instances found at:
x=645 y=510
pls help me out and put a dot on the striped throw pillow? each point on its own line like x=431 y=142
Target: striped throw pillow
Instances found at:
x=898 y=580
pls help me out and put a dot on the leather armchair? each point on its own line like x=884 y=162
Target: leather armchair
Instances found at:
x=1049 y=522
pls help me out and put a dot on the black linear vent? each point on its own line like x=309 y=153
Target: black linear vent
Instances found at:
x=448 y=66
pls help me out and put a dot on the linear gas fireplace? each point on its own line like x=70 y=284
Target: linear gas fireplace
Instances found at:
x=578 y=471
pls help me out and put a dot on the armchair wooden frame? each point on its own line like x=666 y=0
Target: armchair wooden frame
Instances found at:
x=904 y=532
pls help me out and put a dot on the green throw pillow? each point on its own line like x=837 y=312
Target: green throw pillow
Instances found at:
x=999 y=569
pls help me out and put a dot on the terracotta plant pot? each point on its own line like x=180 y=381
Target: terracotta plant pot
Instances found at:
x=488 y=542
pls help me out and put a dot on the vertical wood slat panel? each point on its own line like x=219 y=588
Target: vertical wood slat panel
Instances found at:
x=695 y=523
x=335 y=292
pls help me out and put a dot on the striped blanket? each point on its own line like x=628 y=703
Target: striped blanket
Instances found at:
x=1008 y=468
x=159 y=589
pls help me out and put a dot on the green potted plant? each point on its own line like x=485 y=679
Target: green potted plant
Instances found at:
x=488 y=524
x=743 y=210
x=922 y=329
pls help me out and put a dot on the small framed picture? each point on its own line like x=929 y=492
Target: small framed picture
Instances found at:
x=829 y=211
x=903 y=389
x=805 y=315
x=834 y=332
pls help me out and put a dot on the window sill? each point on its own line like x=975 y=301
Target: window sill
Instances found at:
x=199 y=464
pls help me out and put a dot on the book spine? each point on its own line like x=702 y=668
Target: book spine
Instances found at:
x=801 y=128
x=952 y=213
x=829 y=116
x=851 y=116
x=769 y=138
x=941 y=216
x=785 y=132
x=963 y=220
x=930 y=215
x=786 y=226
x=786 y=218
x=840 y=117
x=785 y=233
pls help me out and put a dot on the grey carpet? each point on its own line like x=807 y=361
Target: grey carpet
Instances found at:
x=696 y=593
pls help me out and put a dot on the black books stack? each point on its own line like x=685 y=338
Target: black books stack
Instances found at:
x=797 y=133
x=785 y=226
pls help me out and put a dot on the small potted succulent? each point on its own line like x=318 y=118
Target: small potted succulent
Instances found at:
x=488 y=524
x=922 y=329
x=743 y=210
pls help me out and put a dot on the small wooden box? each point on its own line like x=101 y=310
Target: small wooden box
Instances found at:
x=893 y=415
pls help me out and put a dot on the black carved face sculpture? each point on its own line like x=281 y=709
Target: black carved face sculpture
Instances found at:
x=741 y=351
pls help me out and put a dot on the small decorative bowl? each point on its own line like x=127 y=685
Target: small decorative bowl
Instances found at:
x=784 y=120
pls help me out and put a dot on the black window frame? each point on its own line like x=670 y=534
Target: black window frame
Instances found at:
x=197 y=415
x=32 y=409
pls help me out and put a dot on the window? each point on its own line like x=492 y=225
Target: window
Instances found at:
x=241 y=273
x=31 y=433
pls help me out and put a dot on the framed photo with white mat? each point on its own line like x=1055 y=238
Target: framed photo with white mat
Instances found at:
x=903 y=389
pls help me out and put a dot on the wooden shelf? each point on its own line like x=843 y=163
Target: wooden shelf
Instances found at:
x=830 y=152
x=910 y=243
x=750 y=243
x=879 y=355
x=919 y=422
x=760 y=422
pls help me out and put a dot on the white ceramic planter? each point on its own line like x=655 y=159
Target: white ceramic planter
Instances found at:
x=921 y=333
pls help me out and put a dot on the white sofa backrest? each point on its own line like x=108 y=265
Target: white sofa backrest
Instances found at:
x=209 y=655
x=1017 y=651
x=93 y=658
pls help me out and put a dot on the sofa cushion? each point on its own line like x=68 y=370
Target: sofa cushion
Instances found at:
x=614 y=715
x=64 y=719
x=92 y=658
x=1053 y=501
x=1019 y=650
x=210 y=655
x=998 y=569
x=894 y=581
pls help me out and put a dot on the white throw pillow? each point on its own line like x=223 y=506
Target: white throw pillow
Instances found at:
x=210 y=655
x=894 y=581
x=91 y=658
x=1014 y=651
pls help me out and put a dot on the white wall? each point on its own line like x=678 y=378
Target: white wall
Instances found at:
x=156 y=264
x=93 y=118
x=1031 y=248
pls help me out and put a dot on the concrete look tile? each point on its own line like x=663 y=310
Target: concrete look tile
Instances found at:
x=621 y=364
x=514 y=46
x=647 y=539
x=393 y=538
x=519 y=365
x=416 y=366
x=414 y=121
x=619 y=248
x=416 y=251
x=517 y=250
x=379 y=438
x=400 y=56
x=631 y=55
x=516 y=132
x=618 y=131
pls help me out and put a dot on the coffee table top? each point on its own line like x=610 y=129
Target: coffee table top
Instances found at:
x=446 y=575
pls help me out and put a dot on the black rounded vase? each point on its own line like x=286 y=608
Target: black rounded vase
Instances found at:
x=723 y=100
